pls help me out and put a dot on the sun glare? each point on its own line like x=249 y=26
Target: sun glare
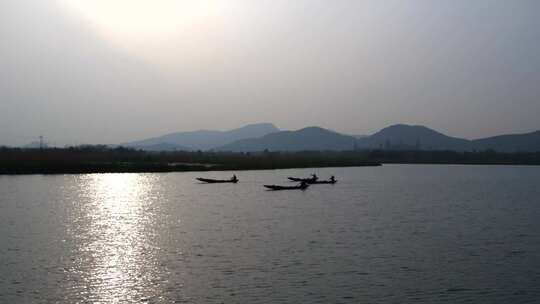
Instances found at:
x=117 y=239
x=145 y=19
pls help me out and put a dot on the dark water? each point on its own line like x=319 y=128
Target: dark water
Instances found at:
x=392 y=234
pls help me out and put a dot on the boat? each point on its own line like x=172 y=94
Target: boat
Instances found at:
x=302 y=186
x=297 y=179
x=215 y=181
x=323 y=182
x=311 y=179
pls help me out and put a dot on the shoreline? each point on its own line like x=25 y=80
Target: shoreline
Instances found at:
x=217 y=168
x=160 y=168
x=100 y=159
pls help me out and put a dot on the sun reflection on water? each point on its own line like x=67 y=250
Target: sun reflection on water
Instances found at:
x=116 y=238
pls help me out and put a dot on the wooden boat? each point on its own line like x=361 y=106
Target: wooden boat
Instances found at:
x=303 y=186
x=307 y=180
x=215 y=181
x=313 y=180
x=323 y=182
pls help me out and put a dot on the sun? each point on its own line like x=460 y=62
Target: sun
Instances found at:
x=145 y=20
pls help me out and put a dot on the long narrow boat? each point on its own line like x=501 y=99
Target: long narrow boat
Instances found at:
x=323 y=182
x=276 y=187
x=307 y=180
x=215 y=181
x=312 y=180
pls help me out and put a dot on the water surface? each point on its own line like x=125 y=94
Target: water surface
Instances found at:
x=391 y=234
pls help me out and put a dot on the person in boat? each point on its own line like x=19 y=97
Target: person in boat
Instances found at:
x=303 y=184
x=332 y=179
x=314 y=177
x=234 y=178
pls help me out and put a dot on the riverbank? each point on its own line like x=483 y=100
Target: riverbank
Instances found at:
x=101 y=159
x=121 y=160
x=50 y=168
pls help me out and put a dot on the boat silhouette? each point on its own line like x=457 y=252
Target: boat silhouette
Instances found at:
x=233 y=180
x=302 y=186
x=311 y=179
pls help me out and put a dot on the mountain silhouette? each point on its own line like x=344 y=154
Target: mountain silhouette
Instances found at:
x=401 y=137
x=204 y=139
x=528 y=142
x=407 y=137
x=395 y=137
x=307 y=139
x=265 y=136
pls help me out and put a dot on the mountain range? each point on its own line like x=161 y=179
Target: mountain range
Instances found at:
x=307 y=139
x=265 y=136
x=407 y=137
x=202 y=139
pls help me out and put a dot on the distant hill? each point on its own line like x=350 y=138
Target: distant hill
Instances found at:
x=265 y=136
x=307 y=139
x=204 y=139
x=401 y=137
x=528 y=142
x=360 y=136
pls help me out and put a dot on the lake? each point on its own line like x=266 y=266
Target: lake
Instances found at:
x=390 y=234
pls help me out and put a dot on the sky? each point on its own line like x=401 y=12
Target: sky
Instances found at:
x=112 y=71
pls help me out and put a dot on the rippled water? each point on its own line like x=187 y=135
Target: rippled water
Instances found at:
x=391 y=234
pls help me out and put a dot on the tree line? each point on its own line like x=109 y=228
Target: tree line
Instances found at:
x=89 y=159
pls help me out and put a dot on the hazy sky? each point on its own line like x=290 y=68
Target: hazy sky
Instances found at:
x=109 y=71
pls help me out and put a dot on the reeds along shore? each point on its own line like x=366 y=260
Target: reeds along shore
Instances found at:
x=102 y=159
